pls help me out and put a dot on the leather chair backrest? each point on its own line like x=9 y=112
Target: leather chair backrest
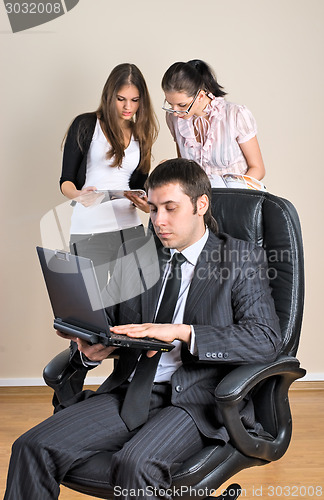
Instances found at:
x=273 y=223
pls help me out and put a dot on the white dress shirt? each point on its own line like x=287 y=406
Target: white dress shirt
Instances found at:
x=171 y=361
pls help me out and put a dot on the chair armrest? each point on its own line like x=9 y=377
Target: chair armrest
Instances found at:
x=61 y=368
x=65 y=376
x=242 y=379
x=237 y=384
x=58 y=369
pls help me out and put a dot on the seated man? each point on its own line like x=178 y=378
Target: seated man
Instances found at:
x=224 y=314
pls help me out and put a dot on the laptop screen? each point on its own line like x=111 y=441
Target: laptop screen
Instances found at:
x=73 y=289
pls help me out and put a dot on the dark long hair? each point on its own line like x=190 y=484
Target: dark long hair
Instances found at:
x=145 y=126
x=191 y=76
x=192 y=179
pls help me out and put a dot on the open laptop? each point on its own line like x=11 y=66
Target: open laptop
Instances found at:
x=77 y=304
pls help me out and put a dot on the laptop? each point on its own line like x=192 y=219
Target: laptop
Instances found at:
x=77 y=304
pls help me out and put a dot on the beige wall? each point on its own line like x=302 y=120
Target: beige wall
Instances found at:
x=267 y=54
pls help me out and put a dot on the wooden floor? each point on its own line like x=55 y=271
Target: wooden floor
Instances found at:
x=299 y=474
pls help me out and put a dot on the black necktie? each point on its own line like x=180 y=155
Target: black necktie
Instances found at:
x=136 y=404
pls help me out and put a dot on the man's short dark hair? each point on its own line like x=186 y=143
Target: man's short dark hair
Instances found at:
x=190 y=176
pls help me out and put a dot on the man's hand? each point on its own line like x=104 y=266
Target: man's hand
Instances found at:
x=66 y=336
x=95 y=352
x=166 y=332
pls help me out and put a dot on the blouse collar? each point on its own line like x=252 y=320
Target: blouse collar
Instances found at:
x=214 y=111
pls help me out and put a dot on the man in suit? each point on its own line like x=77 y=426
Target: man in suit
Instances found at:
x=224 y=315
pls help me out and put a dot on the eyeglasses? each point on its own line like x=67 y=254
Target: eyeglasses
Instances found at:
x=168 y=108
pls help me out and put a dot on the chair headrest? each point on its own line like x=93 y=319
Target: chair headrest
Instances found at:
x=239 y=214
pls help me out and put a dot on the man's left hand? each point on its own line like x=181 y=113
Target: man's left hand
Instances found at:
x=166 y=332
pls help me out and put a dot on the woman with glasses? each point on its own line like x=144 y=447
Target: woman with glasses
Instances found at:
x=217 y=134
x=109 y=149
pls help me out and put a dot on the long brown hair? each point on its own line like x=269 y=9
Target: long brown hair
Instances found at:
x=145 y=125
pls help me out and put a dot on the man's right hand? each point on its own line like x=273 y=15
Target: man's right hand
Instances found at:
x=66 y=336
x=94 y=352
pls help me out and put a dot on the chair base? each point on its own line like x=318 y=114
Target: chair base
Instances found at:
x=232 y=492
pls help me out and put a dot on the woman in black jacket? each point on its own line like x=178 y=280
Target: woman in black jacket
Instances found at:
x=109 y=150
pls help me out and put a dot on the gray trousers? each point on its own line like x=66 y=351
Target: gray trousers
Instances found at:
x=102 y=249
x=143 y=459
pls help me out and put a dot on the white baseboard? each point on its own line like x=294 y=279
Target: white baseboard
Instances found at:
x=30 y=382
x=313 y=377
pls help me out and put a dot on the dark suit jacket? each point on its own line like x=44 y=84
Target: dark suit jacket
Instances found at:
x=229 y=305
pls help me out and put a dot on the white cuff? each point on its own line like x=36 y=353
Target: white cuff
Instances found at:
x=87 y=362
x=193 y=346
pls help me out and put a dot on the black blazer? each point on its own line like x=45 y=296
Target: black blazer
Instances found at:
x=76 y=149
x=229 y=305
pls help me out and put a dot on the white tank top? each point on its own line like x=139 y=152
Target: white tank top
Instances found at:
x=112 y=215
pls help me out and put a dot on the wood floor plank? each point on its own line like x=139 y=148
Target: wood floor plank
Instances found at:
x=298 y=475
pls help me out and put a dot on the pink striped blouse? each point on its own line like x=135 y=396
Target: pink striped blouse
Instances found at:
x=218 y=151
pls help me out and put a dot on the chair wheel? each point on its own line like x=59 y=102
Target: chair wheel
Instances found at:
x=232 y=492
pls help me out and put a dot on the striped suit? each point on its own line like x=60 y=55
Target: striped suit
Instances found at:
x=231 y=309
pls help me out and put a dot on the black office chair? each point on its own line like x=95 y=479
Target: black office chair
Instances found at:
x=273 y=223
